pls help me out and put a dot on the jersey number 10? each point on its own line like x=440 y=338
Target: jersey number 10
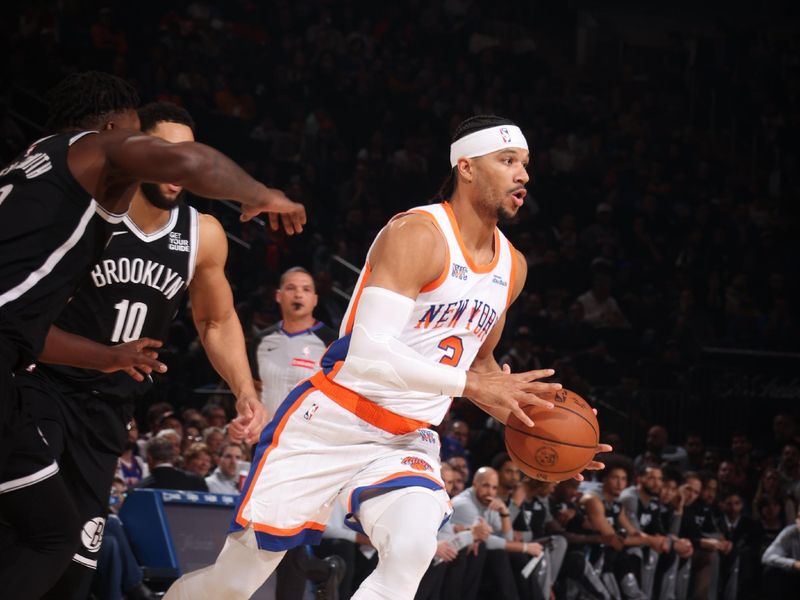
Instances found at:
x=130 y=321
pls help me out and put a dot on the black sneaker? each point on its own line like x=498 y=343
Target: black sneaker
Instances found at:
x=329 y=589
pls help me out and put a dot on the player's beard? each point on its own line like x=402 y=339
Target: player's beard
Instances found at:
x=157 y=199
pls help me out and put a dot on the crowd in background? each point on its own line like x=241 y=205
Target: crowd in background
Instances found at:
x=661 y=218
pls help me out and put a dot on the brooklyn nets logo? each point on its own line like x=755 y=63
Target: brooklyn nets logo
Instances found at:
x=92 y=534
x=546 y=456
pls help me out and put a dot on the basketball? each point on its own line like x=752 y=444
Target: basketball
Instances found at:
x=562 y=441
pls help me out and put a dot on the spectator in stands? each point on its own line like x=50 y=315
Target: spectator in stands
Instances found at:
x=782 y=564
x=197 y=459
x=492 y=559
x=460 y=464
x=118 y=574
x=214 y=437
x=789 y=468
x=694 y=448
x=673 y=569
x=740 y=566
x=784 y=430
x=225 y=478
x=699 y=526
x=600 y=308
x=174 y=438
x=131 y=468
x=215 y=415
x=772 y=485
x=730 y=478
x=456 y=442
x=161 y=458
x=509 y=488
x=657 y=444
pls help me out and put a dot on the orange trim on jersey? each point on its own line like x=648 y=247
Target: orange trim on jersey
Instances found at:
x=365 y=409
x=337 y=366
x=275 y=437
x=389 y=478
x=513 y=275
x=429 y=287
x=352 y=316
x=475 y=267
x=288 y=532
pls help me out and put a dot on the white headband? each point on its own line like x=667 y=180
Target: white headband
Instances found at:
x=487 y=141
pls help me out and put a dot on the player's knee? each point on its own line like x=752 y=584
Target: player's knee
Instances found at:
x=414 y=547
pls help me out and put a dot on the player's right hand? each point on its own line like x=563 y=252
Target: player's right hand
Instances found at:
x=136 y=358
x=511 y=391
x=535 y=548
x=278 y=208
x=481 y=531
x=445 y=551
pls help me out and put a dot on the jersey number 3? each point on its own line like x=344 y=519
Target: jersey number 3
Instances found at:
x=130 y=321
x=453 y=348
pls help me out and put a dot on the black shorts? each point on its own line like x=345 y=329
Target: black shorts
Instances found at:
x=85 y=435
x=24 y=456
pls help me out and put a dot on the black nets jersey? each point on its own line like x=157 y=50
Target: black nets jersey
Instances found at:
x=51 y=232
x=134 y=290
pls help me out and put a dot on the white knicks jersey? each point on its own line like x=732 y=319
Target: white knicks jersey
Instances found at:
x=452 y=317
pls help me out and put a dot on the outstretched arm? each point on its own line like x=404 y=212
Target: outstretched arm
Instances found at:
x=220 y=331
x=112 y=160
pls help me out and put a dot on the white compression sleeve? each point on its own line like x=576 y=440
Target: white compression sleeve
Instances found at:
x=376 y=353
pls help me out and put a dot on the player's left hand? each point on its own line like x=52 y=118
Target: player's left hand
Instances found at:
x=251 y=418
x=596 y=465
x=279 y=209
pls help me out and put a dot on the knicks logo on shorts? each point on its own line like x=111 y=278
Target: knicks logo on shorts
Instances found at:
x=416 y=463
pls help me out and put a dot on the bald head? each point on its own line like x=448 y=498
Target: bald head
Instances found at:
x=485 y=485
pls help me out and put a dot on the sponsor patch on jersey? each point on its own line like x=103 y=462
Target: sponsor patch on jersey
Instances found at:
x=311 y=411
x=303 y=362
x=416 y=463
x=177 y=243
x=459 y=272
x=499 y=280
x=427 y=436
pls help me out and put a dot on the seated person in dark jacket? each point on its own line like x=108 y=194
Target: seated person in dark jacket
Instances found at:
x=161 y=457
x=745 y=534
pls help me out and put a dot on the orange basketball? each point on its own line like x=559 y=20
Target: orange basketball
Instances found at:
x=562 y=441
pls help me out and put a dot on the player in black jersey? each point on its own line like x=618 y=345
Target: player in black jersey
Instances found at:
x=605 y=515
x=643 y=508
x=57 y=201
x=160 y=249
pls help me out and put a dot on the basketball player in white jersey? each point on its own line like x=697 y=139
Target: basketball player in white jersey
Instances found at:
x=428 y=312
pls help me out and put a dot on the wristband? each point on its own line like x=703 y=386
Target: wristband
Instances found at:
x=504 y=515
x=524 y=547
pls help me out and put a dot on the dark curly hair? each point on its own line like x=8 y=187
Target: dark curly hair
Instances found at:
x=81 y=100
